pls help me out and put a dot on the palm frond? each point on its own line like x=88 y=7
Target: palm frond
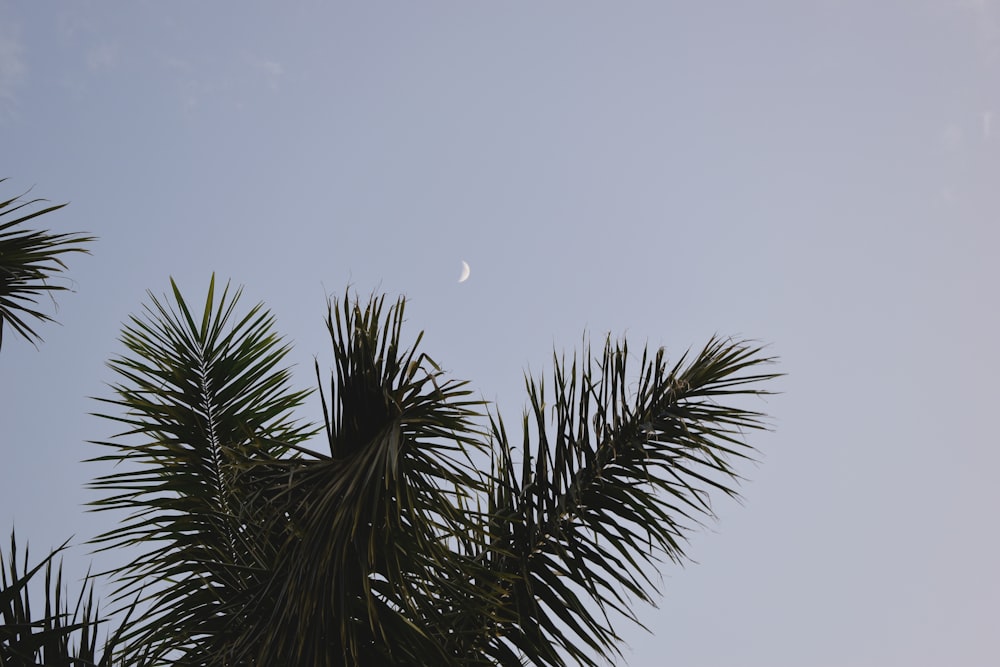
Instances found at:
x=394 y=547
x=59 y=636
x=598 y=498
x=29 y=259
x=203 y=396
x=378 y=571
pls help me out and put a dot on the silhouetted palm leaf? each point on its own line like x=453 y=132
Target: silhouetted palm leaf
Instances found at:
x=395 y=547
x=202 y=397
x=581 y=521
x=380 y=568
x=28 y=261
x=58 y=637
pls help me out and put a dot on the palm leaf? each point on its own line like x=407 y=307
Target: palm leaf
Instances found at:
x=378 y=570
x=29 y=259
x=607 y=491
x=202 y=396
x=58 y=637
x=394 y=548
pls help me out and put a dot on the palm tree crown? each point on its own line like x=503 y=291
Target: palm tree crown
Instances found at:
x=422 y=533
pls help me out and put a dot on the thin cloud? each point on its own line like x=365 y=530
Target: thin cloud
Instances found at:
x=952 y=137
x=12 y=70
x=228 y=80
x=986 y=15
x=270 y=70
x=101 y=57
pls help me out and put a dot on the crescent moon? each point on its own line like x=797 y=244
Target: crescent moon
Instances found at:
x=465 y=272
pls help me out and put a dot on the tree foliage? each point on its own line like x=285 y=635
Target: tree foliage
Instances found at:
x=29 y=261
x=57 y=636
x=65 y=633
x=421 y=532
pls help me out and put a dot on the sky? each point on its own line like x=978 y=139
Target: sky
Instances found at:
x=820 y=176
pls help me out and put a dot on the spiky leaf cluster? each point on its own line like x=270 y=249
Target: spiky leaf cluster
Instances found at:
x=421 y=532
x=30 y=259
x=64 y=633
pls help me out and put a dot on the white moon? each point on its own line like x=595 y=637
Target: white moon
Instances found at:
x=465 y=272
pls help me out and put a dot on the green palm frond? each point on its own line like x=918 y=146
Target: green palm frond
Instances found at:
x=607 y=490
x=379 y=572
x=423 y=536
x=202 y=397
x=29 y=259
x=58 y=637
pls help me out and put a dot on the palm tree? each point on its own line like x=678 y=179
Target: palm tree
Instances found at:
x=421 y=532
x=58 y=635
x=29 y=259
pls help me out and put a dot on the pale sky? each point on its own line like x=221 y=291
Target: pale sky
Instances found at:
x=819 y=175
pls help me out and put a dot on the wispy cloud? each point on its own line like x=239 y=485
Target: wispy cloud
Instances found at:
x=986 y=15
x=270 y=70
x=227 y=80
x=12 y=69
x=102 y=56
x=952 y=137
x=955 y=137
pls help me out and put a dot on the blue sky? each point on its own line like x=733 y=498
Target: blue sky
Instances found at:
x=821 y=176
